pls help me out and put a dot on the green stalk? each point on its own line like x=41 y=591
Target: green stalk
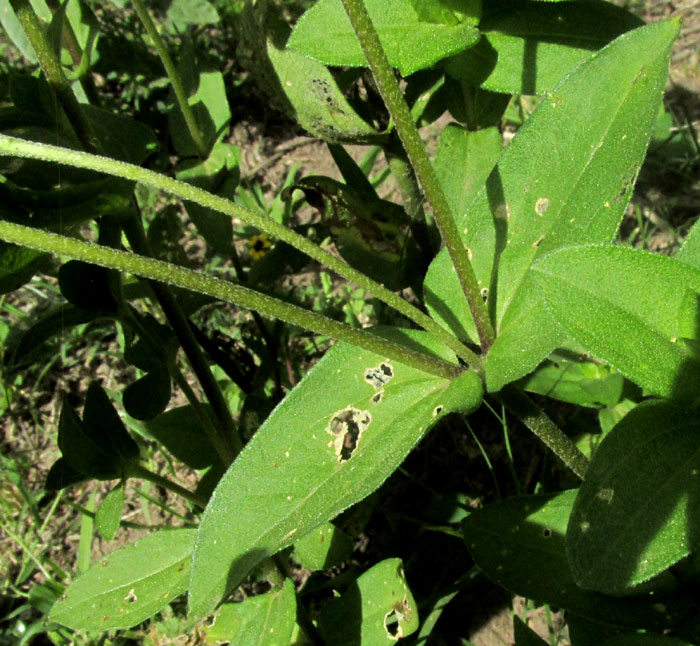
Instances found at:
x=142 y=472
x=410 y=137
x=21 y=148
x=223 y=290
x=537 y=421
x=53 y=71
x=173 y=76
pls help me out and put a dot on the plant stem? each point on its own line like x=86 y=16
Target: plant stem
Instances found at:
x=53 y=71
x=410 y=137
x=537 y=421
x=22 y=148
x=133 y=228
x=195 y=281
x=139 y=471
x=173 y=76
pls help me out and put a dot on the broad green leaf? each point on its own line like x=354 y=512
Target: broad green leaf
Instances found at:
x=450 y=12
x=130 y=585
x=565 y=178
x=180 y=431
x=184 y=13
x=528 y=47
x=324 y=32
x=376 y=610
x=62 y=475
x=207 y=96
x=630 y=308
x=317 y=103
x=109 y=513
x=148 y=396
x=324 y=547
x=520 y=544
x=463 y=162
x=637 y=512
x=331 y=442
x=576 y=381
x=121 y=137
x=87 y=287
x=264 y=620
x=18 y=265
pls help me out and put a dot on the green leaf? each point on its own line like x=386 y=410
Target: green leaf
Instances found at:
x=315 y=100
x=121 y=137
x=180 y=431
x=264 y=620
x=624 y=306
x=207 y=96
x=576 y=381
x=378 y=608
x=449 y=12
x=62 y=475
x=14 y=31
x=520 y=544
x=463 y=162
x=331 y=442
x=323 y=548
x=183 y=13
x=85 y=452
x=109 y=513
x=528 y=47
x=88 y=287
x=148 y=396
x=18 y=265
x=324 y=32
x=219 y=173
x=637 y=512
x=130 y=585
x=576 y=192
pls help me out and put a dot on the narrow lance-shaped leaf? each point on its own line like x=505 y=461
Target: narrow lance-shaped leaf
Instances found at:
x=332 y=441
x=130 y=585
x=636 y=310
x=638 y=510
x=325 y=33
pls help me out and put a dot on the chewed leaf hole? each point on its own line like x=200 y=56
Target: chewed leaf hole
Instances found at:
x=131 y=597
x=378 y=396
x=401 y=612
x=346 y=428
x=437 y=411
x=380 y=376
x=546 y=532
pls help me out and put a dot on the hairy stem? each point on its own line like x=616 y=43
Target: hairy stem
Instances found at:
x=173 y=76
x=23 y=148
x=410 y=137
x=195 y=281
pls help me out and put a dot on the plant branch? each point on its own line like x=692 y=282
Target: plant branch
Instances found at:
x=133 y=229
x=173 y=76
x=139 y=471
x=195 y=281
x=22 y=148
x=537 y=421
x=410 y=137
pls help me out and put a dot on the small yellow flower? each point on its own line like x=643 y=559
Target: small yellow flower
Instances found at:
x=258 y=246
